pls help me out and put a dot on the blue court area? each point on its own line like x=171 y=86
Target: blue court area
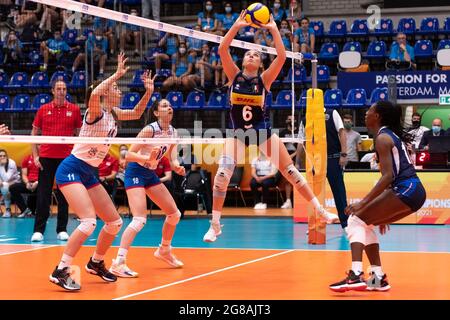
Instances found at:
x=243 y=232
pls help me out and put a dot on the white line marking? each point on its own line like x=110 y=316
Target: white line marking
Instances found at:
x=202 y=275
x=7 y=239
x=26 y=250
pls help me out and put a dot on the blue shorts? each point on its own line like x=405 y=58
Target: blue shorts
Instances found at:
x=74 y=170
x=411 y=192
x=136 y=176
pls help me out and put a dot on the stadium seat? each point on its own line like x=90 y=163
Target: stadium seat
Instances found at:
x=70 y=36
x=283 y=100
x=359 y=28
x=329 y=52
x=39 y=82
x=194 y=100
x=443 y=44
x=376 y=50
x=78 y=80
x=385 y=28
x=156 y=96
x=60 y=75
x=175 y=98
x=429 y=26
x=18 y=81
x=21 y=102
x=446 y=28
x=338 y=29
x=352 y=46
x=35 y=58
x=356 y=98
x=407 y=26
x=299 y=76
x=137 y=83
x=378 y=94
x=323 y=75
x=4 y=102
x=129 y=100
x=423 y=49
x=318 y=28
x=3 y=79
x=39 y=100
x=217 y=100
x=333 y=98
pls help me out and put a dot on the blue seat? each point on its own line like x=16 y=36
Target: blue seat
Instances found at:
x=70 y=36
x=323 y=74
x=156 y=96
x=359 y=28
x=385 y=28
x=446 y=28
x=429 y=26
x=338 y=28
x=329 y=52
x=356 y=98
x=60 y=75
x=18 y=81
x=88 y=32
x=162 y=75
x=3 y=79
x=175 y=98
x=21 y=102
x=78 y=80
x=39 y=100
x=4 y=102
x=352 y=46
x=217 y=100
x=376 y=50
x=423 y=49
x=407 y=26
x=443 y=44
x=283 y=100
x=137 y=81
x=35 y=58
x=378 y=94
x=194 y=100
x=318 y=28
x=333 y=98
x=38 y=82
x=129 y=100
x=299 y=75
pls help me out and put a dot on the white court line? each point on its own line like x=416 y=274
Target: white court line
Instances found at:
x=7 y=239
x=202 y=275
x=26 y=250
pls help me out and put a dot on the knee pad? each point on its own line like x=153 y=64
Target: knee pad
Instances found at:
x=173 y=218
x=113 y=227
x=87 y=226
x=371 y=236
x=223 y=176
x=293 y=176
x=137 y=223
x=356 y=230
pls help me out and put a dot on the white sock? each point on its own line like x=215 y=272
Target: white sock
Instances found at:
x=357 y=267
x=165 y=243
x=66 y=261
x=216 y=216
x=377 y=270
x=122 y=254
x=316 y=204
x=97 y=257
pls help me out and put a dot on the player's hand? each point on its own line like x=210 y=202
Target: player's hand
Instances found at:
x=384 y=228
x=271 y=25
x=152 y=160
x=180 y=170
x=149 y=82
x=37 y=163
x=4 y=129
x=241 y=22
x=353 y=208
x=121 y=67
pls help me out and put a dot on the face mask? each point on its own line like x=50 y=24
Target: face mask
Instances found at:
x=416 y=123
x=134 y=13
x=208 y=8
x=436 y=129
x=98 y=37
x=182 y=50
x=347 y=125
x=228 y=9
x=123 y=153
x=205 y=52
x=276 y=5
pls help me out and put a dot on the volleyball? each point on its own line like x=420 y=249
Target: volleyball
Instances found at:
x=257 y=14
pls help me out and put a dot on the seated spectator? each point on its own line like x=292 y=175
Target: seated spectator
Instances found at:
x=107 y=171
x=278 y=12
x=109 y=31
x=53 y=48
x=123 y=149
x=208 y=18
x=97 y=46
x=171 y=42
x=296 y=8
x=164 y=173
x=30 y=12
x=401 y=51
x=304 y=37
x=264 y=38
x=8 y=176
x=417 y=130
x=194 y=45
x=286 y=34
x=52 y=19
x=436 y=131
x=263 y=175
x=220 y=77
x=228 y=18
x=28 y=185
x=353 y=139
x=205 y=67
x=131 y=34
x=12 y=49
x=182 y=67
